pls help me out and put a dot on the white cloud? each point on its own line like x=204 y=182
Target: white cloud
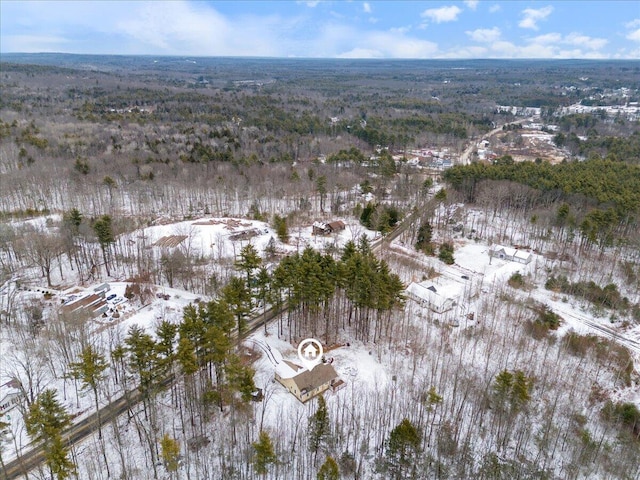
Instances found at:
x=633 y=23
x=632 y=54
x=547 y=38
x=471 y=4
x=173 y=28
x=310 y=3
x=473 y=51
x=585 y=41
x=536 y=50
x=442 y=14
x=495 y=8
x=198 y=29
x=366 y=7
x=361 y=53
x=34 y=43
x=551 y=44
x=400 y=30
x=484 y=35
x=389 y=45
x=504 y=49
x=532 y=16
x=634 y=35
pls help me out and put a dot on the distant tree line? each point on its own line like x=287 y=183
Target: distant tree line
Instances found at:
x=610 y=190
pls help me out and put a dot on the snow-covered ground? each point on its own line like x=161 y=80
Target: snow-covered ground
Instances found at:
x=425 y=349
x=211 y=237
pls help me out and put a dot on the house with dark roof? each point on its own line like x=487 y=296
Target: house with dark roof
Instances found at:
x=91 y=305
x=322 y=228
x=305 y=384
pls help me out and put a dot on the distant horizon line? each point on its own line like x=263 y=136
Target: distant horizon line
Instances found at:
x=246 y=57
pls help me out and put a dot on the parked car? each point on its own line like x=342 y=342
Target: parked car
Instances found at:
x=112 y=296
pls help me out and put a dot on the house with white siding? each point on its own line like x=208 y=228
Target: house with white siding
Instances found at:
x=511 y=254
x=437 y=298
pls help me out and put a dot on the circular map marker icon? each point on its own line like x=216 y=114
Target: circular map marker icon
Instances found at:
x=310 y=353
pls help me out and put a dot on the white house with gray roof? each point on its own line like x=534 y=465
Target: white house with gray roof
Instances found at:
x=511 y=254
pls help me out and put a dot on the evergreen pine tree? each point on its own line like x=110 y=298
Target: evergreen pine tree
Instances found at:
x=264 y=454
x=74 y=219
x=170 y=452
x=520 y=390
x=237 y=296
x=166 y=333
x=402 y=451
x=502 y=387
x=318 y=426
x=423 y=242
x=249 y=260
x=240 y=377
x=282 y=230
x=142 y=358
x=57 y=458
x=44 y=422
x=90 y=371
x=186 y=356
x=104 y=231
x=446 y=253
x=321 y=187
x=329 y=470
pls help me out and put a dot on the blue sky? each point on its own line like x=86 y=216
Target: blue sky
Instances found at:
x=333 y=29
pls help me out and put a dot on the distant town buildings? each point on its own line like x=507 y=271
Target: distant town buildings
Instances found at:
x=629 y=111
x=429 y=158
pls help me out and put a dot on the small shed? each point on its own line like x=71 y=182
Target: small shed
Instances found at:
x=102 y=289
x=336 y=226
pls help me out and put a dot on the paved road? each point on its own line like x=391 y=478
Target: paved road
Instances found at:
x=464 y=158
